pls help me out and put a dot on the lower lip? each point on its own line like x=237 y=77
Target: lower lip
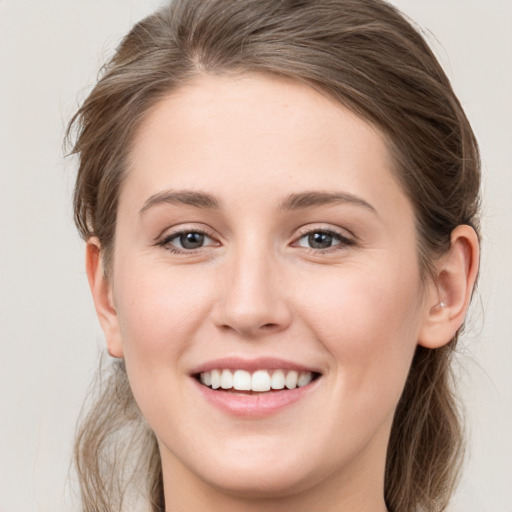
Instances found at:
x=257 y=405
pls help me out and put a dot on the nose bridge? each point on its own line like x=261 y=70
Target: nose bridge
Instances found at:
x=252 y=300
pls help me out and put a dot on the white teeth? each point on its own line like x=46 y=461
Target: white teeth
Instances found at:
x=291 y=379
x=277 y=381
x=304 y=379
x=242 y=380
x=226 y=379
x=259 y=381
x=206 y=378
x=215 y=379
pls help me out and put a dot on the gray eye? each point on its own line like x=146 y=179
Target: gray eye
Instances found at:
x=191 y=240
x=319 y=240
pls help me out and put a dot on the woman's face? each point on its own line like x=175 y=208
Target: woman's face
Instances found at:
x=261 y=231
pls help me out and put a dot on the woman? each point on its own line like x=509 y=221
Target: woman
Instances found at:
x=280 y=206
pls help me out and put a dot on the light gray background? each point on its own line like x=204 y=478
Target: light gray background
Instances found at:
x=50 y=52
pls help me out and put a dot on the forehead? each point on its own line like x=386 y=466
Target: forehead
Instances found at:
x=232 y=134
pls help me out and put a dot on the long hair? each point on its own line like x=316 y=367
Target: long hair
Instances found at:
x=369 y=58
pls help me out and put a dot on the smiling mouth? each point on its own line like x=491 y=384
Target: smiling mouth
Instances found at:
x=259 y=381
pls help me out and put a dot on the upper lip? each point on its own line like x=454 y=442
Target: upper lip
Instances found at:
x=259 y=363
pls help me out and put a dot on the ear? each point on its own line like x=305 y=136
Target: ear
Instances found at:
x=450 y=293
x=101 y=290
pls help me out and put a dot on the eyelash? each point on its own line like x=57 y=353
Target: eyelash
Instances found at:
x=165 y=242
x=343 y=241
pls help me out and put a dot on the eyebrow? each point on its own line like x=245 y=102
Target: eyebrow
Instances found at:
x=296 y=201
x=309 y=199
x=181 y=197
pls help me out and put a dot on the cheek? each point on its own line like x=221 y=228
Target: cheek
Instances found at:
x=368 y=318
x=159 y=310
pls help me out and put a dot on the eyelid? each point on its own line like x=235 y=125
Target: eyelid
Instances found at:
x=343 y=233
x=344 y=236
x=169 y=234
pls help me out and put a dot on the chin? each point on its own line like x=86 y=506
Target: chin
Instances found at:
x=259 y=483
x=255 y=470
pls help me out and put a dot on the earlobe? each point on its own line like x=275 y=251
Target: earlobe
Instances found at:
x=101 y=290
x=450 y=294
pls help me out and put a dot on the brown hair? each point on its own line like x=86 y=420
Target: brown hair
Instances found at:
x=367 y=56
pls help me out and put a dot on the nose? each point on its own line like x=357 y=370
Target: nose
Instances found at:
x=252 y=300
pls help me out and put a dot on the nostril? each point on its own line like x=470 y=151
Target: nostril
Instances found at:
x=250 y=329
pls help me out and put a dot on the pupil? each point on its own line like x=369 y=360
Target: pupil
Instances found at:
x=320 y=240
x=192 y=240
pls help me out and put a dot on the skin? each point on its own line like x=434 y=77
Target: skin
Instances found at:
x=354 y=312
